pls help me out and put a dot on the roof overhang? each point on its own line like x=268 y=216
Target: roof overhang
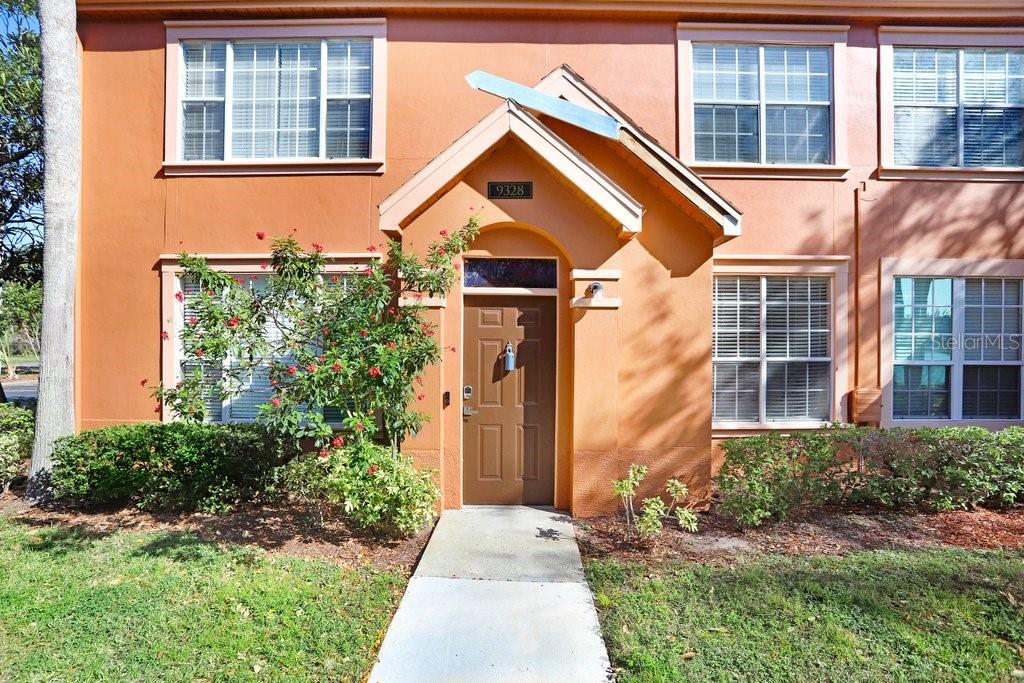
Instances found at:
x=509 y=119
x=565 y=96
x=565 y=83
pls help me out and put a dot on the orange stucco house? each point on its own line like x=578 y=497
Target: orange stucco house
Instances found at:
x=701 y=219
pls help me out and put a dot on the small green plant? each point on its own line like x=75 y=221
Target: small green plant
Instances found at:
x=649 y=522
x=16 y=429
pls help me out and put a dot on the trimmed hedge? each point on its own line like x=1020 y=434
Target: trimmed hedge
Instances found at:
x=17 y=427
x=772 y=475
x=168 y=466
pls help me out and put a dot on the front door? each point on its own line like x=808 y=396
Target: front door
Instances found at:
x=509 y=415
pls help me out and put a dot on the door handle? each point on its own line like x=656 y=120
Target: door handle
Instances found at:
x=468 y=412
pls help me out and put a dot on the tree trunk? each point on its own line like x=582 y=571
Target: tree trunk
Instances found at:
x=62 y=151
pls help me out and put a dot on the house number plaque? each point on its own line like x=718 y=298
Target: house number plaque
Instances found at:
x=510 y=190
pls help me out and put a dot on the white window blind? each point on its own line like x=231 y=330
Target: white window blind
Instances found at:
x=957 y=348
x=762 y=104
x=772 y=348
x=958 y=107
x=296 y=99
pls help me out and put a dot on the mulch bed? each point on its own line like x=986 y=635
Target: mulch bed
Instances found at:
x=817 y=532
x=286 y=529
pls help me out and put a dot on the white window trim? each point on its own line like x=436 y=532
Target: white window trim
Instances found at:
x=893 y=267
x=890 y=37
x=239 y=264
x=836 y=268
x=834 y=37
x=179 y=31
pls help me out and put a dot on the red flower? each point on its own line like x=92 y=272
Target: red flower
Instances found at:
x=391 y=345
x=364 y=332
x=442 y=251
x=334 y=279
x=253 y=276
x=336 y=367
x=420 y=397
x=273 y=382
x=264 y=265
x=456 y=266
x=143 y=382
x=179 y=296
x=157 y=408
x=276 y=402
x=371 y=248
x=321 y=358
x=193 y=320
x=325 y=453
x=358 y=426
x=391 y=310
x=178 y=385
x=428 y=333
x=374 y=372
x=310 y=367
x=368 y=271
x=239 y=280
x=318 y=248
x=164 y=335
x=372 y=469
x=292 y=369
x=444 y=233
x=325 y=330
x=338 y=441
x=200 y=353
x=260 y=235
x=233 y=321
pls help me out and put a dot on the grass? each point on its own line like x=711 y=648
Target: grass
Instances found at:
x=942 y=615
x=78 y=606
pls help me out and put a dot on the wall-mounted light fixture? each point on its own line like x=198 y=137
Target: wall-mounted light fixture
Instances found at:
x=595 y=290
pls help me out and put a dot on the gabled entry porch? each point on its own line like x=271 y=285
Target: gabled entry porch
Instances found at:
x=604 y=354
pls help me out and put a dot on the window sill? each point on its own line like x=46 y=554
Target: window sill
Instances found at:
x=770 y=171
x=274 y=167
x=726 y=430
x=974 y=174
x=986 y=424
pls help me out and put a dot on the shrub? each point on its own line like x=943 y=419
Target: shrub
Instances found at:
x=16 y=430
x=376 y=488
x=649 y=521
x=168 y=466
x=770 y=476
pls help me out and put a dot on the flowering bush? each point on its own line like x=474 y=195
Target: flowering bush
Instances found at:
x=339 y=345
x=339 y=351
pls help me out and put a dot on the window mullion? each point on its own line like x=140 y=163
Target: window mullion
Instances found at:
x=956 y=373
x=762 y=399
x=762 y=109
x=960 y=133
x=323 y=100
x=229 y=69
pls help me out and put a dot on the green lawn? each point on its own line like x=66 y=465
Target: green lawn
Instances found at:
x=942 y=615
x=169 y=607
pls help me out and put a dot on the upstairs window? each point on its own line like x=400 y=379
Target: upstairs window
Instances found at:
x=276 y=99
x=958 y=107
x=768 y=104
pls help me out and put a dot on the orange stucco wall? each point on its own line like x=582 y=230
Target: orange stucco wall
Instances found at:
x=634 y=383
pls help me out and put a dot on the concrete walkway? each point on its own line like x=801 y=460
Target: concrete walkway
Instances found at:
x=499 y=595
